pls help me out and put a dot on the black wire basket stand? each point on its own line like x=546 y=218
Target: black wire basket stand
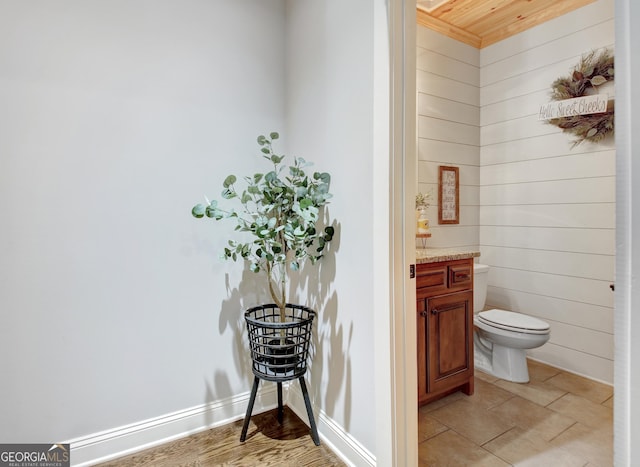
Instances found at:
x=279 y=351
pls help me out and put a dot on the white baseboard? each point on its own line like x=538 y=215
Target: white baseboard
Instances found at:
x=122 y=441
x=112 y=444
x=331 y=434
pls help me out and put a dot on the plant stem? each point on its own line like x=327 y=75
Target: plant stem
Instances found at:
x=280 y=301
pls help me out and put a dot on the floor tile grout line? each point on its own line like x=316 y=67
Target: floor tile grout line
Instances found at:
x=556 y=399
x=557 y=393
x=496 y=437
x=563 y=431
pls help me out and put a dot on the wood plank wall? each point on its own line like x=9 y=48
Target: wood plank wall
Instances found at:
x=448 y=77
x=542 y=213
x=547 y=211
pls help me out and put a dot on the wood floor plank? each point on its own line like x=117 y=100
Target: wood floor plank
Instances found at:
x=268 y=444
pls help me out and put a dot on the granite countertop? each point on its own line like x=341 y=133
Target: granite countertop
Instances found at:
x=435 y=255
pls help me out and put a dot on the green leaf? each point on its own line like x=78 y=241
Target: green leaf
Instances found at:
x=198 y=211
x=214 y=212
x=279 y=210
x=324 y=177
x=598 y=80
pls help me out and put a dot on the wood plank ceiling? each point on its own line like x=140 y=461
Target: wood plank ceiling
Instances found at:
x=484 y=22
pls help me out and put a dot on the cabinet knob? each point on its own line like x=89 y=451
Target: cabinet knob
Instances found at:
x=424 y=313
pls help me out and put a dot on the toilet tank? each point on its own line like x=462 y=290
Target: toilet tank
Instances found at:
x=480 y=280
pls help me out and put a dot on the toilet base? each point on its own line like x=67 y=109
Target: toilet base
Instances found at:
x=502 y=362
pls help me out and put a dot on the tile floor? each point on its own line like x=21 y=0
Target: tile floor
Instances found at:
x=557 y=419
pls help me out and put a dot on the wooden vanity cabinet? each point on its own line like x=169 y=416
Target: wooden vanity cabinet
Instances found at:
x=444 y=307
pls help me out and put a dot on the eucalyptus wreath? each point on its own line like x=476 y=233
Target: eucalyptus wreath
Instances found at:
x=594 y=70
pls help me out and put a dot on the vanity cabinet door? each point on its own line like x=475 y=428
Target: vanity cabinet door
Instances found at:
x=449 y=322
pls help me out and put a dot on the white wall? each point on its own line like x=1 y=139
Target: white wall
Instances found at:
x=547 y=210
x=329 y=115
x=116 y=117
x=448 y=80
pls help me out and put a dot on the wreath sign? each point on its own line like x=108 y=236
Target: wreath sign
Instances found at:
x=593 y=70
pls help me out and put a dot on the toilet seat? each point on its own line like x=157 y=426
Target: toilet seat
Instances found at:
x=512 y=321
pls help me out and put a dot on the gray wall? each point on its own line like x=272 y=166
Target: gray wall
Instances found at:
x=116 y=117
x=329 y=115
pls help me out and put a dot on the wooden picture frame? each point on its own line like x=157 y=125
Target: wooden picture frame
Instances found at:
x=448 y=195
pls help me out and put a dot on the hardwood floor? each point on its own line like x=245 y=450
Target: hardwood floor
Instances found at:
x=268 y=444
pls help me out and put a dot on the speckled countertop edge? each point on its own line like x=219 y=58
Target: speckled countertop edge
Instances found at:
x=435 y=255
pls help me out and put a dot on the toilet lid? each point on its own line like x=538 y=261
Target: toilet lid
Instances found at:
x=510 y=320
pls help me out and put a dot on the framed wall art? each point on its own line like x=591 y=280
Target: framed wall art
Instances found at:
x=448 y=195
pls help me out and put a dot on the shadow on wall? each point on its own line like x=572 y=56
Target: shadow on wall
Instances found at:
x=329 y=353
x=249 y=292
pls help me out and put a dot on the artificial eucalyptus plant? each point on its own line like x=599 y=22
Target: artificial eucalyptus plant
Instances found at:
x=281 y=210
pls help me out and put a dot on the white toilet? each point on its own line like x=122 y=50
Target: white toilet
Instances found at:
x=501 y=337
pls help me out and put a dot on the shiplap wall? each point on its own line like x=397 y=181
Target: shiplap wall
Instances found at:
x=448 y=78
x=547 y=210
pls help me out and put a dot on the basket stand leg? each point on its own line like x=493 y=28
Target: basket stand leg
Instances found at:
x=247 y=417
x=280 y=409
x=312 y=421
